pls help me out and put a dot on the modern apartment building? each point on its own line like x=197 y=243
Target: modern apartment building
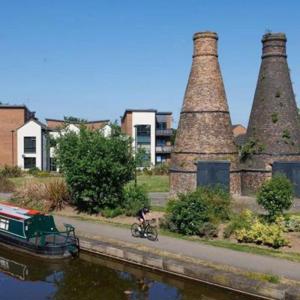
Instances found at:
x=12 y=117
x=150 y=130
x=32 y=146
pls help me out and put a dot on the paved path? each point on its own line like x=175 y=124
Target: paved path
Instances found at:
x=241 y=260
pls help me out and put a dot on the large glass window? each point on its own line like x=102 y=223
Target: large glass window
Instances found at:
x=161 y=125
x=143 y=143
x=29 y=144
x=4 y=224
x=29 y=162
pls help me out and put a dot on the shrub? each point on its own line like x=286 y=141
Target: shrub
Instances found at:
x=11 y=171
x=96 y=167
x=43 y=196
x=111 y=212
x=135 y=198
x=192 y=212
x=33 y=171
x=292 y=224
x=6 y=186
x=57 y=194
x=276 y=195
x=265 y=234
x=244 y=220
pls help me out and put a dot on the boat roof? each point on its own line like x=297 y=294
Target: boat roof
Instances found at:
x=15 y=212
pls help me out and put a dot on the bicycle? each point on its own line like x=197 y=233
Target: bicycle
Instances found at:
x=149 y=231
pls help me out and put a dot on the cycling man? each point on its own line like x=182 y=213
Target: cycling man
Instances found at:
x=141 y=215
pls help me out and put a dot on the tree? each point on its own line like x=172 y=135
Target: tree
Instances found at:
x=96 y=168
x=71 y=119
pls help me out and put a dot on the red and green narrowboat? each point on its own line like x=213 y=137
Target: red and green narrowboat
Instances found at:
x=35 y=232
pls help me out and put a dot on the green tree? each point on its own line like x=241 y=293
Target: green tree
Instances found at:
x=96 y=168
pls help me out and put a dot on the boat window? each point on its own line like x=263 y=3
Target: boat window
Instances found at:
x=4 y=224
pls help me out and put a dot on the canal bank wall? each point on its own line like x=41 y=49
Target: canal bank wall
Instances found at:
x=209 y=274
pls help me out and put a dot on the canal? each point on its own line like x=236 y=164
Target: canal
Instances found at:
x=89 y=277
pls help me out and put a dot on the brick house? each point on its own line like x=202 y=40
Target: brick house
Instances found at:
x=11 y=118
x=150 y=130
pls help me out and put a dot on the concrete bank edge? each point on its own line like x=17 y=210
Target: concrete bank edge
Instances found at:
x=225 y=279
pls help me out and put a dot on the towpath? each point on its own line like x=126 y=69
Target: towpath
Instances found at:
x=244 y=261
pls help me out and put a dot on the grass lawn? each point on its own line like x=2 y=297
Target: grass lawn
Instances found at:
x=154 y=183
x=19 y=181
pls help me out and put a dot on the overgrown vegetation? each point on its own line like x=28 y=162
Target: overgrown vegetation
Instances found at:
x=96 y=168
x=159 y=169
x=276 y=195
x=253 y=146
x=53 y=195
x=11 y=171
x=6 y=186
x=135 y=198
x=199 y=212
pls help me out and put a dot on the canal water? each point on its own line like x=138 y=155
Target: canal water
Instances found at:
x=89 y=277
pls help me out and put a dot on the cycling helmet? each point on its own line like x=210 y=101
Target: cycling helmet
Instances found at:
x=145 y=209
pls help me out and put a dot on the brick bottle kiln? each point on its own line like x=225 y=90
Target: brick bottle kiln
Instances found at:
x=204 y=132
x=274 y=128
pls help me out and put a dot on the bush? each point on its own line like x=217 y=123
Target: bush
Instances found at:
x=244 y=220
x=135 y=198
x=6 y=186
x=43 y=196
x=57 y=194
x=111 y=212
x=33 y=171
x=276 y=195
x=263 y=234
x=96 y=167
x=292 y=224
x=11 y=171
x=192 y=212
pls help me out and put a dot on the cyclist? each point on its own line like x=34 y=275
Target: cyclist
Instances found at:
x=141 y=215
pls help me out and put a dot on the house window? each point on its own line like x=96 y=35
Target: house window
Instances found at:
x=161 y=125
x=29 y=162
x=53 y=164
x=29 y=144
x=4 y=224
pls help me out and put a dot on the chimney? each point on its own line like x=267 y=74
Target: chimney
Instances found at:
x=274 y=122
x=204 y=131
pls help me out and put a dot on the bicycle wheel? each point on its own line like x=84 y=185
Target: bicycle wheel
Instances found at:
x=151 y=233
x=135 y=230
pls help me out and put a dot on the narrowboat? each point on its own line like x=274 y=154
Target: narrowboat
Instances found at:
x=35 y=232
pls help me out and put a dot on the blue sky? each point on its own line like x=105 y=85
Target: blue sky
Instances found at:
x=94 y=59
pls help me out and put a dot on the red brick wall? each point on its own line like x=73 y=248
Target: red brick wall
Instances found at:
x=10 y=119
x=126 y=124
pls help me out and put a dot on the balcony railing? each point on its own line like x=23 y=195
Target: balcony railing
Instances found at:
x=164 y=132
x=163 y=149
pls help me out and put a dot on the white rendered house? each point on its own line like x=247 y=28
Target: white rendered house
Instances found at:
x=32 y=147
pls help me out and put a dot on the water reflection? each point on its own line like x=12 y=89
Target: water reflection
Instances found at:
x=88 y=277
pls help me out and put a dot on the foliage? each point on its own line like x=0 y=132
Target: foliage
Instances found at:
x=6 y=186
x=198 y=212
x=38 y=173
x=135 y=198
x=275 y=117
x=292 y=224
x=11 y=171
x=57 y=194
x=263 y=234
x=159 y=169
x=48 y=196
x=173 y=136
x=276 y=195
x=142 y=158
x=111 y=212
x=96 y=168
x=243 y=220
x=253 y=146
x=72 y=119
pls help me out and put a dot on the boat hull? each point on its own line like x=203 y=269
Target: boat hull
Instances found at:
x=59 y=251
